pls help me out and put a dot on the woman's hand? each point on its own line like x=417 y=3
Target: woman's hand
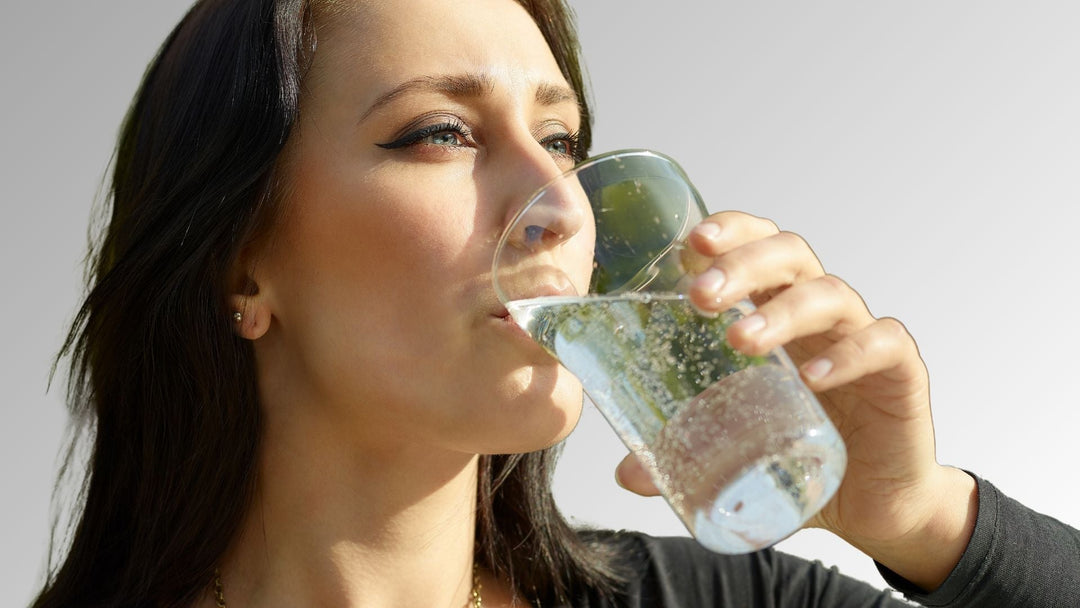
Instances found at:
x=895 y=503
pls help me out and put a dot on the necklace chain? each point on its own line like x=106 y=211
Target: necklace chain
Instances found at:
x=477 y=601
x=219 y=589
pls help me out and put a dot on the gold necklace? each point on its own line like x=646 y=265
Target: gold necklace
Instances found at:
x=477 y=601
x=219 y=589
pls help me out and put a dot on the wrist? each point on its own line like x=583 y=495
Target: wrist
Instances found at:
x=928 y=553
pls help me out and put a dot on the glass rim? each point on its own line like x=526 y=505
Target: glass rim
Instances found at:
x=583 y=165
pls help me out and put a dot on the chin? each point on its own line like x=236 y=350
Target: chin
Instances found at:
x=570 y=405
x=561 y=419
x=538 y=421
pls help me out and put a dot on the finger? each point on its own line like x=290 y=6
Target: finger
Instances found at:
x=724 y=231
x=631 y=474
x=823 y=305
x=883 y=347
x=756 y=267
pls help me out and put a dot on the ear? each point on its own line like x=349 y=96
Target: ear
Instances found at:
x=249 y=310
x=249 y=314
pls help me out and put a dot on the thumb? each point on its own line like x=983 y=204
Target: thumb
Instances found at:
x=631 y=475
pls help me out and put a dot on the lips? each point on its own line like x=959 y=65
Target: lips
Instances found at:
x=522 y=282
x=541 y=291
x=503 y=318
x=534 y=291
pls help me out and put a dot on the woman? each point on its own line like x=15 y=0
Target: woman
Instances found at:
x=302 y=388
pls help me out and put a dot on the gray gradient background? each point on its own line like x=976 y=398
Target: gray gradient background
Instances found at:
x=929 y=151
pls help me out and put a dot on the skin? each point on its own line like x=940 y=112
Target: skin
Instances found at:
x=385 y=361
x=386 y=365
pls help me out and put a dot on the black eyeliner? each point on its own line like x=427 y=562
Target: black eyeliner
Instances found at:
x=413 y=137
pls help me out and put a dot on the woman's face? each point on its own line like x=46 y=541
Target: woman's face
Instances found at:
x=424 y=125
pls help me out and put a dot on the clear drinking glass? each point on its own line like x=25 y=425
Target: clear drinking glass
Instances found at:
x=595 y=268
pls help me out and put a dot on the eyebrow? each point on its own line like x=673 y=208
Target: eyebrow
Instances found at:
x=548 y=94
x=469 y=85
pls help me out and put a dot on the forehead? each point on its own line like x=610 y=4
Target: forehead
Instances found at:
x=381 y=43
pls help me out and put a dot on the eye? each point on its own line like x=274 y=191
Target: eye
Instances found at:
x=452 y=133
x=563 y=145
x=444 y=138
x=560 y=146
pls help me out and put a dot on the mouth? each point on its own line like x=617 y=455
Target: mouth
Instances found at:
x=539 y=291
x=506 y=321
x=522 y=284
x=504 y=316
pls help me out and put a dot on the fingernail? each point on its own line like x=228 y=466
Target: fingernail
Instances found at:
x=711 y=282
x=752 y=324
x=708 y=231
x=619 y=473
x=817 y=369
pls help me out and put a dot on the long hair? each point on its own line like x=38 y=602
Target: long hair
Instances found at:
x=159 y=380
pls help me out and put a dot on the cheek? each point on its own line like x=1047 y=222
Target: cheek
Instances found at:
x=390 y=233
x=367 y=275
x=419 y=221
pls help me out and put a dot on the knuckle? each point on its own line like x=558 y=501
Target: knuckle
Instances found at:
x=750 y=223
x=879 y=343
x=896 y=333
x=835 y=285
x=768 y=225
x=791 y=245
x=791 y=239
x=892 y=329
x=841 y=291
x=804 y=260
x=727 y=219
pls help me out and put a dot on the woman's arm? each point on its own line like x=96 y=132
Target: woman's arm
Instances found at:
x=1016 y=557
x=927 y=554
x=896 y=503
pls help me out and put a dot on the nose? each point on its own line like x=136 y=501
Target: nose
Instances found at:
x=548 y=228
x=539 y=219
x=553 y=216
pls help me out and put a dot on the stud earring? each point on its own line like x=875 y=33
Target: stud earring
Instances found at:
x=236 y=316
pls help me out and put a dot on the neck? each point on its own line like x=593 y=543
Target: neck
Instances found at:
x=334 y=526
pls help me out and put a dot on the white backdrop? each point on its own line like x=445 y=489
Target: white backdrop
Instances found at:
x=930 y=152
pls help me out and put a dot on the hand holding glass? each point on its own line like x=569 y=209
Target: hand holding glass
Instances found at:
x=595 y=267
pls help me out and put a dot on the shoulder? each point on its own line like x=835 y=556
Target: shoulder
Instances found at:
x=677 y=571
x=641 y=551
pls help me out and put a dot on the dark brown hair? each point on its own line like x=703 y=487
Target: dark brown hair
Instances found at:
x=158 y=379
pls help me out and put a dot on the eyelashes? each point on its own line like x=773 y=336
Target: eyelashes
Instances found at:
x=571 y=145
x=452 y=126
x=451 y=132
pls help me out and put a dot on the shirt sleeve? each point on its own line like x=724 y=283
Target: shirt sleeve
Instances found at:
x=1016 y=558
